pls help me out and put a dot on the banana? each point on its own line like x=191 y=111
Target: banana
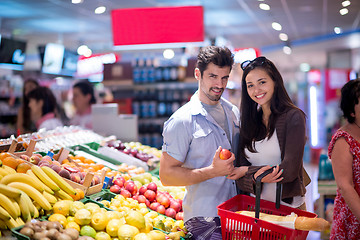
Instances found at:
x=58 y=180
x=11 y=223
x=38 y=181
x=51 y=198
x=36 y=213
x=29 y=203
x=32 y=193
x=9 y=191
x=44 y=178
x=21 y=177
x=63 y=195
x=25 y=209
x=19 y=221
x=8 y=205
x=16 y=205
x=9 y=169
x=4 y=215
x=3 y=172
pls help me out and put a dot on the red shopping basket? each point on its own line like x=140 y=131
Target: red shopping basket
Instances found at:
x=235 y=226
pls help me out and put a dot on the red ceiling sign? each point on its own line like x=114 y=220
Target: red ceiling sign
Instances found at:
x=158 y=25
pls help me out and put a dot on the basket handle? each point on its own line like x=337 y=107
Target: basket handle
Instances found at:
x=258 y=192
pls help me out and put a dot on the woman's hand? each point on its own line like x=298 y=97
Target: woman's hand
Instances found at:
x=272 y=177
x=238 y=172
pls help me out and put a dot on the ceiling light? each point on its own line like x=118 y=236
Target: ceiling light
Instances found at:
x=304 y=67
x=264 y=6
x=276 y=26
x=84 y=50
x=283 y=37
x=346 y=3
x=100 y=10
x=88 y=53
x=287 y=50
x=344 y=11
x=168 y=53
x=337 y=30
x=76 y=1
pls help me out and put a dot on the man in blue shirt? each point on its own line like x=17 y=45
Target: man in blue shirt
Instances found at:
x=193 y=138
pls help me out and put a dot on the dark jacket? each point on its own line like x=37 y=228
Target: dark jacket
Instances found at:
x=291 y=132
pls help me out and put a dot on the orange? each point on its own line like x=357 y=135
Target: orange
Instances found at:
x=57 y=217
x=23 y=167
x=4 y=155
x=87 y=160
x=11 y=162
x=65 y=161
x=80 y=193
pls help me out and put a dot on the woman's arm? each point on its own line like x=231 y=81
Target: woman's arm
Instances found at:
x=342 y=161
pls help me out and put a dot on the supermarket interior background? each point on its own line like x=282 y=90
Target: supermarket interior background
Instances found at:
x=141 y=58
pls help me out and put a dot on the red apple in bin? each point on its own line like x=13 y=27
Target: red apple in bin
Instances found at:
x=175 y=205
x=127 y=182
x=147 y=203
x=152 y=186
x=163 y=200
x=125 y=193
x=115 y=189
x=224 y=154
x=132 y=188
x=154 y=206
x=179 y=216
x=135 y=197
x=160 y=209
x=119 y=181
x=170 y=212
x=142 y=190
x=150 y=195
x=141 y=199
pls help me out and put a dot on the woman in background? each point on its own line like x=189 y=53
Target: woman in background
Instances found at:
x=42 y=104
x=23 y=122
x=83 y=98
x=344 y=152
x=272 y=133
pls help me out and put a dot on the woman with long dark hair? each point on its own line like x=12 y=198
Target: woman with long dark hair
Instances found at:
x=272 y=133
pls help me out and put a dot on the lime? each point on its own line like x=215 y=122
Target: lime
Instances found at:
x=87 y=231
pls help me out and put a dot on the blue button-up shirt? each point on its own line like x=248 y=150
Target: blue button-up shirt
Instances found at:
x=192 y=136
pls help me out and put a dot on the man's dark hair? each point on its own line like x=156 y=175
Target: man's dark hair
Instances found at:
x=220 y=56
x=350 y=94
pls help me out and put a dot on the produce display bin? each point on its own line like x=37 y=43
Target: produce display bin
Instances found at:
x=16 y=233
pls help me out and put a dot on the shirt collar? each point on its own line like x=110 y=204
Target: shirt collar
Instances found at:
x=44 y=118
x=198 y=108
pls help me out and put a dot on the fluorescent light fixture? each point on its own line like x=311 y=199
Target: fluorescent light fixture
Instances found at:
x=346 y=3
x=100 y=10
x=344 y=11
x=337 y=30
x=276 y=26
x=264 y=6
x=159 y=46
x=313 y=117
x=287 y=50
x=283 y=37
x=76 y=1
x=168 y=54
x=304 y=67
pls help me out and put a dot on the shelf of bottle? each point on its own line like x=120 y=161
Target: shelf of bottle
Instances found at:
x=159 y=85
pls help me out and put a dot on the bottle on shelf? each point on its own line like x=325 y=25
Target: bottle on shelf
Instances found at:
x=143 y=71
x=136 y=71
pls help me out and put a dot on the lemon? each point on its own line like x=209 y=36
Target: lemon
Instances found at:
x=75 y=206
x=70 y=219
x=159 y=224
x=102 y=236
x=152 y=214
x=142 y=236
x=156 y=235
x=106 y=203
x=112 y=215
x=135 y=218
x=143 y=211
x=92 y=207
x=62 y=207
x=148 y=227
x=73 y=225
x=57 y=217
x=127 y=232
x=99 y=221
x=83 y=217
x=87 y=231
x=113 y=226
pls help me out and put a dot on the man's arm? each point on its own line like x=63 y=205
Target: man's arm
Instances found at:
x=172 y=173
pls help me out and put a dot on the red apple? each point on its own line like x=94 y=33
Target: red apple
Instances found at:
x=170 y=212
x=152 y=186
x=142 y=190
x=225 y=154
x=160 y=209
x=131 y=187
x=150 y=195
x=135 y=197
x=163 y=200
x=128 y=182
x=147 y=202
x=125 y=193
x=115 y=189
x=75 y=177
x=179 y=216
x=119 y=182
x=175 y=205
x=141 y=199
x=154 y=206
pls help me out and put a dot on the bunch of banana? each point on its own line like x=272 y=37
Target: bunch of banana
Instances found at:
x=5 y=170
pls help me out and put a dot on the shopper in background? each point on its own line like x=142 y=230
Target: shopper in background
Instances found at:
x=344 y=152
x=42 y=104
x=23 y=122
x=193 y=137
x=83 y=98
x=272 y=133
